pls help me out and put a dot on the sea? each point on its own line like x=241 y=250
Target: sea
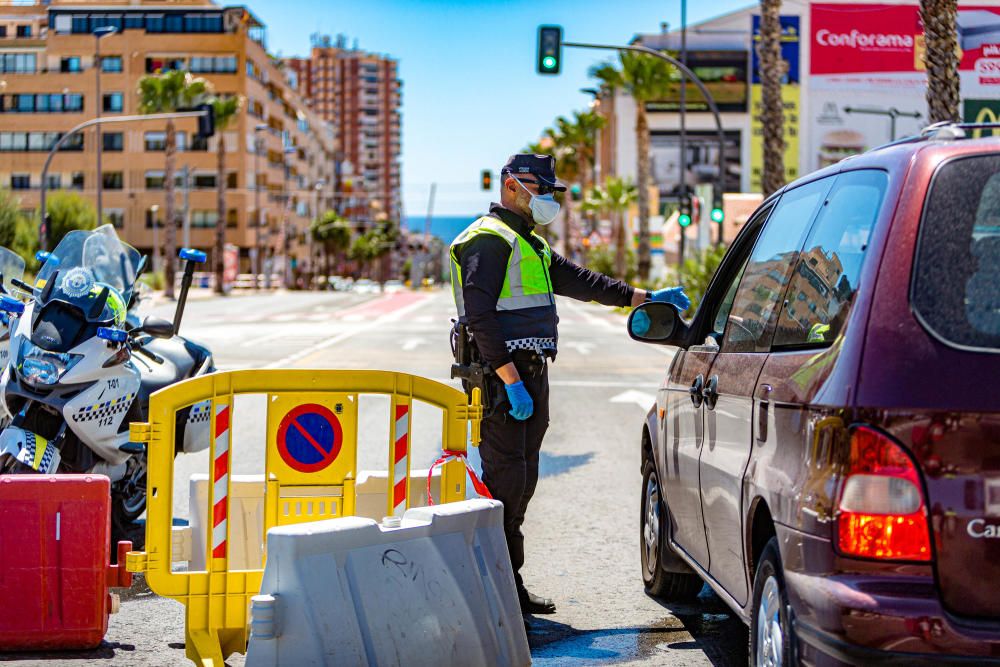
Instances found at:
x=445 y=227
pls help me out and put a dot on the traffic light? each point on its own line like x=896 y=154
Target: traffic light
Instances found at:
x=575 y=192
x=549 y=49
x=684 y=220
x=487 y=179
x=206 y=121
x=717 y=215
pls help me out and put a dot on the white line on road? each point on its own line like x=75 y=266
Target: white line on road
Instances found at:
x=640 y=398
x=580 y=346
x=329 y=342
x=411 y=344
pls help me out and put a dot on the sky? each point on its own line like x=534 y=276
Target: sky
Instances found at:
x=471 y=96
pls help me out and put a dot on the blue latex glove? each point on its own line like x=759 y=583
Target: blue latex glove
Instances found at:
x=521 y=405
x=674 y=295
x=640 y=323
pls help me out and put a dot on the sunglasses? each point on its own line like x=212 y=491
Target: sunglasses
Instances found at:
x=543 y=188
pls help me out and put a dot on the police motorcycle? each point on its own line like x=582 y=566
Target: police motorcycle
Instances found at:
x=11 y=269
x=79 y=372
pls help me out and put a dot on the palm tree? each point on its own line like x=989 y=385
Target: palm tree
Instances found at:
x=941 y=58
x=614 y=199
x=226 y=111
x=772 y=113
x=333 y=233
x=164 y=93
x=645 y=79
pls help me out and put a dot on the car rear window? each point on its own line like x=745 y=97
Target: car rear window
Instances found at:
x=956 y=276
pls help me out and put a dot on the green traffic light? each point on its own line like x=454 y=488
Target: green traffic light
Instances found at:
x=684 y=220
x=549 y=62
x=718 y=215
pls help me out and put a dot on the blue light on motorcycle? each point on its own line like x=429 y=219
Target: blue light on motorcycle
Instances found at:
x=192 y=255
x=9 y=304
x=39 y=371
x=114 y=335
x=42 y=256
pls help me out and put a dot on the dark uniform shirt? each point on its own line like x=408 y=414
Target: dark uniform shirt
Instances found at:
x=484 y=267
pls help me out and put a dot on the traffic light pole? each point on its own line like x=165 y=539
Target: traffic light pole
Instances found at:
x=709 y=100
x=43 y=229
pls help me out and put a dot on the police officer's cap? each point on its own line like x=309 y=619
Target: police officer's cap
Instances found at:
x=542 y=167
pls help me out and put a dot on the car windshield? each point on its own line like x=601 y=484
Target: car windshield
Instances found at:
x=11 y=268
x=82 y=265
x=956 y=275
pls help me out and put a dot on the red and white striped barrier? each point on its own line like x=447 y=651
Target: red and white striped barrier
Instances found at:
x=400 y=463
x=220 y=481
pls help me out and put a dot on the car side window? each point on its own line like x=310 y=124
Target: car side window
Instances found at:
x=825 y=278
x=765 y=277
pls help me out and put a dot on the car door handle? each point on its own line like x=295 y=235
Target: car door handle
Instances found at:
x=711 y=392
x=695 y=390
x=764 y=394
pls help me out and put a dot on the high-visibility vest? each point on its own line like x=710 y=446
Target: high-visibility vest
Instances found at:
x=526 y=307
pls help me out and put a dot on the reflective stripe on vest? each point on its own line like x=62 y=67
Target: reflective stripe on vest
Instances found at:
x=526 y=283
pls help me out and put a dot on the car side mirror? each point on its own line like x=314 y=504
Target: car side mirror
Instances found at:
x=656 y=322
x=157 y=327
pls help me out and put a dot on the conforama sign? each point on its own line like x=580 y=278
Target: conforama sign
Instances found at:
x=856 y=39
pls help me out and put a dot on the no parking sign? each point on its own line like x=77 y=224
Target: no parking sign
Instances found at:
x=312 y=438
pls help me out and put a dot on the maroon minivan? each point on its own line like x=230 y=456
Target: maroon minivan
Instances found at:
x=825 y=449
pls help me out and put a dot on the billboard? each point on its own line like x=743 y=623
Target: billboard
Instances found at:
x=724 y=73
x=867 y=77
x=789 y=98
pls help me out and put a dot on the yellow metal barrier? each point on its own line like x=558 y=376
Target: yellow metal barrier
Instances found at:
x=310 y=465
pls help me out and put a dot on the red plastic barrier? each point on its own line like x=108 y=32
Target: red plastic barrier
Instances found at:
x=54 y=561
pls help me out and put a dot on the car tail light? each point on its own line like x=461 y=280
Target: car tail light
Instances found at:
x=882 y=512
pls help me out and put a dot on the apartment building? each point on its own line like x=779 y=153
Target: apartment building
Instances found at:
x=280 y=154
x=361 y=94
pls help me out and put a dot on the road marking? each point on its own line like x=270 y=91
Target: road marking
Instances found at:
x=591 y=319
x=640 y=398
x=581 y=347
x=411 y=344
x=253 y=342
x=330 y=342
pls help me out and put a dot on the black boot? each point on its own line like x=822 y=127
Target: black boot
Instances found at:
x=532 y=604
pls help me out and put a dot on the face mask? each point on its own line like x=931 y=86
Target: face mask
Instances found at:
x=544 y=208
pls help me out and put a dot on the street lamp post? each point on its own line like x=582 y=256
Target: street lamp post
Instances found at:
x=286 y=267
x=258 y=258
x=313 y=261
x=98 y=34
x=155 y=209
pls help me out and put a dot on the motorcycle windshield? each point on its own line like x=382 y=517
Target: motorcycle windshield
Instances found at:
x=11 y=268
x=82 y=266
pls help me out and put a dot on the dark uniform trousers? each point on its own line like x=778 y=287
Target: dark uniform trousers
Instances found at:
x=509 y=451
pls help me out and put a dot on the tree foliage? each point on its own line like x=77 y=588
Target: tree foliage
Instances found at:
x=68 y=211
x=696 y=273
x=16 y=231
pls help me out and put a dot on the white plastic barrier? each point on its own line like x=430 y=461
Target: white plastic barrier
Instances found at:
x=246 y=514
x=438 y=590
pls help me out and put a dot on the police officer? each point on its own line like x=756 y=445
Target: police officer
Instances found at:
x=505 y=278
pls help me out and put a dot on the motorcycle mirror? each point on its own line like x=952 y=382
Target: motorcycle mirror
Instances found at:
x=111 y=334
x=157 y=327
x=192 y=255
x=9 y=304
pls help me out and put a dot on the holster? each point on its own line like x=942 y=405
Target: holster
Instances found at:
x=474 y=372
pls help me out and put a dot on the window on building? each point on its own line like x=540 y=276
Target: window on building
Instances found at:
x=112 y=102
x=114 y=141
x=232 y=218
x=173 y=23
x=231 y=180
x=77 y=180
x=199 y=143
x=53 y=181
x=214 y=64
x=155 y=141
x=157 y=65
x=155 y=180
x=113 y=180
x=153 y=215
x=3 y=31
x=116 y=216
x=203 y=181
x=18 y=63
x=24 y=31
x=20 y=181
x=134 y=21
x=154 y=22
x=204 y=218
x=70 y=64
x=111 y=63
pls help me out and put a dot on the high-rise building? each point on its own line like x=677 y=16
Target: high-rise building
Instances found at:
x=360 y=93
x=279 y=162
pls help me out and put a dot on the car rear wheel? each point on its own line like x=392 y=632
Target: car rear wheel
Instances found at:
x=770 y=631
x=653 y=541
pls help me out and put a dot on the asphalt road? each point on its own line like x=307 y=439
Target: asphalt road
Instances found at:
x=582 y=528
